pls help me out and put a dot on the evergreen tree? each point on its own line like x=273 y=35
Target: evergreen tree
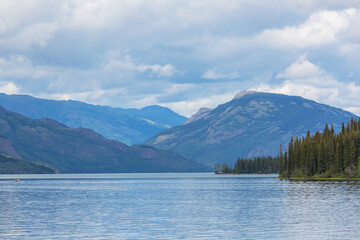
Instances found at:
x=291 y=159
x=332 y=130
x=281 y=160
x=254 y=165
x=352 y=154
x=286 y=163
x=217 y=168
x=338 y=164
x=325 y=152
x=223 y=168
x=321 y=158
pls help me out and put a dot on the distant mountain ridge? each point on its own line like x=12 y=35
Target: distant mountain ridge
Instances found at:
x=131 y=126
x=81 y=150
x=251 y=124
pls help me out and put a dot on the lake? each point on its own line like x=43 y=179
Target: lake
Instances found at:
x=176 y=206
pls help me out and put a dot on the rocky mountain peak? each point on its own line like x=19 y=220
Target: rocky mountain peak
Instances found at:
x=203 y=112
x=252 y=125
x=243 y=93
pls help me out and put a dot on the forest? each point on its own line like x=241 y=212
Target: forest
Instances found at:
x=323 y=155
x=259 y=165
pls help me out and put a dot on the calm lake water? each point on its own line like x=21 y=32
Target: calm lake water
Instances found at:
x=176 y=206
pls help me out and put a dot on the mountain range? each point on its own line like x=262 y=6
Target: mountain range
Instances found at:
x=251 y=124
x=130 y=126
x=81 y=150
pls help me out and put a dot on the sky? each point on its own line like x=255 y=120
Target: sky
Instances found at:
x=180 y=54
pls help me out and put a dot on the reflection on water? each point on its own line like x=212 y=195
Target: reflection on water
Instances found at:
x=178 y=206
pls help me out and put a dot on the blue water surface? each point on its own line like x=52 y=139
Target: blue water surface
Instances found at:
x=176 y=206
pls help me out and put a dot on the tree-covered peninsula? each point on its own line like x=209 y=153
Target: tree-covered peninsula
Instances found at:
x=258 y=165
x=323 y=155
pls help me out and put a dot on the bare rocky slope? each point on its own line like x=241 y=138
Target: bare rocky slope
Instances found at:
x=252 y=124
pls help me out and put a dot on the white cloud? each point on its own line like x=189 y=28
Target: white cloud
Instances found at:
x=215 y=73
x=161 y=71
x=37 y=34
x=190 y=107
x=303 y=78
x=90 y=96
x=21 y=67
x=59 y=49
x=118 y=72
x=320 y=28
x=9 y=88
x=301 y=68
x=117 y=61
x=24 y=25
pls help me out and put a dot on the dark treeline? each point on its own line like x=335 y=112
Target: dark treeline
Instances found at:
x=254 y=165
x=324 y=154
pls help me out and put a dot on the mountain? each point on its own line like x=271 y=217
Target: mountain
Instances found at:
x=160 y=115
x=81 y=150
x=9 y=165
x=251 y=124
x=131 y=126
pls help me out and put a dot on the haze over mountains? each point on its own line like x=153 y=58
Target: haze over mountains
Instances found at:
x=252 y=124
x=130 y=126
x=80 y=150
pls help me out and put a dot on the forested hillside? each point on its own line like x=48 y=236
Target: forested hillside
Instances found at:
x=10 y=165
x=324 y=154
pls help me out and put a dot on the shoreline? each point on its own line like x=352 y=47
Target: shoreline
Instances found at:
x=245 y=173
x=320 y=179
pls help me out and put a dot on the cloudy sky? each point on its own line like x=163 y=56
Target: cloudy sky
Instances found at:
x=180 y=54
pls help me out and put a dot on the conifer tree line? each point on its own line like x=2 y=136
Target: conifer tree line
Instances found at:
x=324 y=154
x=254 y=165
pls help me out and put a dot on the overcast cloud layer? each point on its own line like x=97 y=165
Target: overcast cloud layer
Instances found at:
x=180 y=54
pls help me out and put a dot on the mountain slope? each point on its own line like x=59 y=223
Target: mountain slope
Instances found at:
x=80 y=150
x=131 y=126
x=252 y=124
x=157 y=114
x=9 y=165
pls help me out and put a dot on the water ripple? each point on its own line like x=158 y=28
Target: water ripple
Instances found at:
x=178 y=207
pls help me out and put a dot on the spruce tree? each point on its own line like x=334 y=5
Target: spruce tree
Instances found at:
x=352 y=154
x=286 y=163
x=321 y=157
x=338 y=159
x=291 y=160
x=281 y=159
